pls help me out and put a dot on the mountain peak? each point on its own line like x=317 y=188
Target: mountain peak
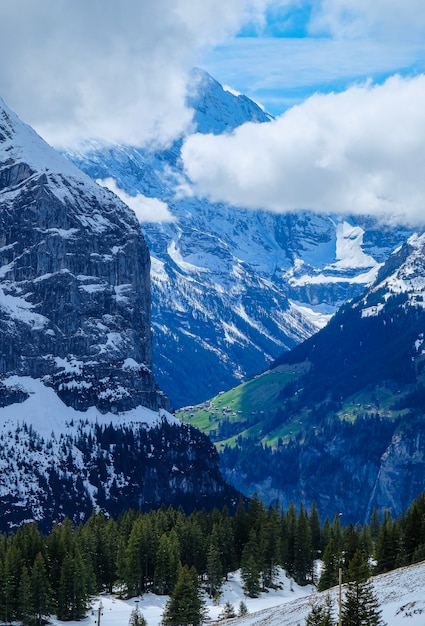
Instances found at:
x=217 y=109
x=403 y=273
x=20 y=142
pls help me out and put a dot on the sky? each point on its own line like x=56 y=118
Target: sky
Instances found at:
x=345 y=80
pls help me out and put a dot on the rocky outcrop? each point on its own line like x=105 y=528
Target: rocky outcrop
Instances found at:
x=74 y=280
x=82 y=421
x=401 y=474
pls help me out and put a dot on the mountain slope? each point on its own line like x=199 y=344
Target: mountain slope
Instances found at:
x=343 y=411
x=233 y=288
x=83 y=423
x=398 y=593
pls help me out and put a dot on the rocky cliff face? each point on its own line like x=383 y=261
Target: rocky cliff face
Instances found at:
x=402 y=469
x=75 y=282
x=82 y=421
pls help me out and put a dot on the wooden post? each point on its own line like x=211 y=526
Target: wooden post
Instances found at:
x=340 y=598
x=99 y=613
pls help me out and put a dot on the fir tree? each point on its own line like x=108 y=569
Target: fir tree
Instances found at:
x=303 y=552
x=270 y=541
x=25 y=610
x=136 y=618
x=360 y=606
x=214 y=569
x=185 y=605
x=331 y=564
x=250 y=568
x=228 y=611
x=41 y=591
x=321 y=614
x=243 y=609
x=167 y=563
x=316 y=535
x=72 y=593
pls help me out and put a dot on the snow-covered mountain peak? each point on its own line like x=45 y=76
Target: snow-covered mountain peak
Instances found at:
x=20 y=143
x=402 y=274
x=218 y=110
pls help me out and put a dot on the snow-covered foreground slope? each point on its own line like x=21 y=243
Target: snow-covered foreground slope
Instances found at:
x=400 y=594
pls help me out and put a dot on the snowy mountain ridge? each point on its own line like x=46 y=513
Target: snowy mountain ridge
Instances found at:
x=405 y=275
x=231 y=287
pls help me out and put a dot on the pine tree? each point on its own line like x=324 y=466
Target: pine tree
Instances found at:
x=414 y=527
x=167 y=563
x=243 y=609
x=25 y=608
x=241 y=526
x=137 y=569
x=250 y=568
x=360 y=606
x=303 y=553
x=351 y=543
x=331 y=561
x=270 y=541
x=185 y=605
x=136 y=618
x=99 y=546
x=72 y=592
x=226 y=543
x=41 y=591
x=387 y=548
x=214 y=569
x=290 y=538
x=228 y=611
x=191 y=535
x=316 y=535
x=321 y=614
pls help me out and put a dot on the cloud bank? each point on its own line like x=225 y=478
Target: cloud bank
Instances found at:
x=357 y=152
x=108 y=69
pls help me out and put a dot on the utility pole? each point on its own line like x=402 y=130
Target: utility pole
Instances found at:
x=99 y=613
x=340 y=598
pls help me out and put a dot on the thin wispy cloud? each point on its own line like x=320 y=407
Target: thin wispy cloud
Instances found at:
x=381 y=19
x=147 y=210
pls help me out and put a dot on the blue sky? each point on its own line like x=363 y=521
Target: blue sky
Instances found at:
x=289 y=56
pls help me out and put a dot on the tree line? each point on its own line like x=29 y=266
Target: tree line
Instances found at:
x=159 y=551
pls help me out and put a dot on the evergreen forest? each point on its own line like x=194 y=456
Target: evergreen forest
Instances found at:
x=166 y=550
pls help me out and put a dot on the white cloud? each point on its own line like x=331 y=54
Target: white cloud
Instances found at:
x=361 y=151
x=108 y=69
x=146 y=209
x=395 y=19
